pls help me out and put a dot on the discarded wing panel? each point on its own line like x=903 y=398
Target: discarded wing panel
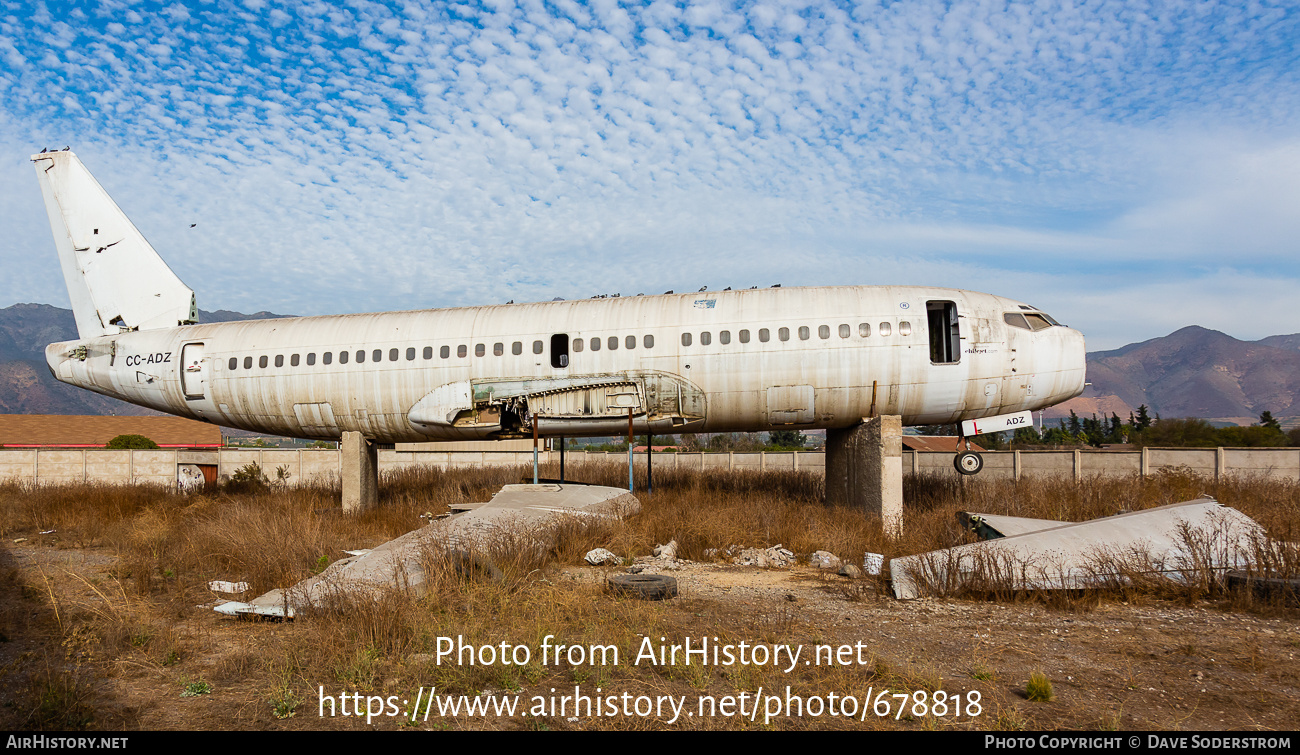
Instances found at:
x=994 y=526
x=400 y=562
x=1174 y=541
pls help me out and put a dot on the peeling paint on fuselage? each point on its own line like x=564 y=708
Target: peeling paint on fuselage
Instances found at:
x=1001 y=369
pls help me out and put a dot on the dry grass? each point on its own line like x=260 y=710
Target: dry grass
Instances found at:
x=168 y=546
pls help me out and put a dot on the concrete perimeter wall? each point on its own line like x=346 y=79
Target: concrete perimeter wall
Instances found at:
x=299 y=465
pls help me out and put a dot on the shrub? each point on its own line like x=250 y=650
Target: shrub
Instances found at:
x=1039 y=689
x=131 y=441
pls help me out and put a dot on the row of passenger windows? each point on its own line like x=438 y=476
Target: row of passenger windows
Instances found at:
x=595 y=343
x=805 y=333
x=377 y=355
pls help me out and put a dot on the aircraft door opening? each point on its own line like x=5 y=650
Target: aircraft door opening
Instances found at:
x=194 y=377
x=945 y=333
x=560 y=350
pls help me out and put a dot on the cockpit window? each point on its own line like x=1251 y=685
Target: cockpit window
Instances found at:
x=1029 y=320
x=1016 y=320
x=1037 y=321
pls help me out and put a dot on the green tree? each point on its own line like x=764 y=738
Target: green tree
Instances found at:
x=130 y=441
x=1143 y=419
x=1189 y=432
x=1266 y=420
x=786 y=439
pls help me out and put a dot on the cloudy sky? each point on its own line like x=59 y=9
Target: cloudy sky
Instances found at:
x=1132 y=168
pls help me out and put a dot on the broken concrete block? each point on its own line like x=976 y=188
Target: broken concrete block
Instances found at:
x=667 y=552
x=825 y=560
x=600 y=557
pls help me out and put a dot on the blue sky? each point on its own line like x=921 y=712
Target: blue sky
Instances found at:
x=1130 y=167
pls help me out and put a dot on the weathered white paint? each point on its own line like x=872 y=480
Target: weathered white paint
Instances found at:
x=832 y=355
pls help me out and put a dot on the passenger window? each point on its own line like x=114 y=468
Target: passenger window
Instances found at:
x=279 y=360
x=498 y=349
x=517 y=348
x=724 y=337
x=392 y=355
x=560 y=350
x=462 y=350
x=885 y=329
x=864 y=330
x=410 y=353
x=261 y=362
x=577 y=344
x=904 y=328
x=824 y=332
x=705 y=338
x=686 y=339
x=234 y=363
x=361 y=356
x=293 y=361
x=783 y=334
x=248 y=363
x=648 y=341
x=479 y=349
x=311 y=358
x=376 y=356
x=613 y=343
x=595 y=343
x=428 y=352
x=444 y=352
x=744 y=336
x=537 y=347
x=764 y=335
x=629 y=342
x=804 y=333
x=329 y=357
x=343 y=356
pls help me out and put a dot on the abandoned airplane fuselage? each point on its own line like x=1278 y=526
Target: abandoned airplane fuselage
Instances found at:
x=759 y=359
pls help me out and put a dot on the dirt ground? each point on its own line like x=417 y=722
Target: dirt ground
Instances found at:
x=1112 y=665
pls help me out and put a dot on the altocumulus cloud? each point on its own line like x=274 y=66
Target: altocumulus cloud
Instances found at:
x=1107 y=160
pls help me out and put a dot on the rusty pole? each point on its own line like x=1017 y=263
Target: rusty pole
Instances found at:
x=561 y=458
x=629 y=450
x=534 y=448
x=649 y=463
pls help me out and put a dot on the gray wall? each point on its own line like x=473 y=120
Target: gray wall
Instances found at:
x=159 y=467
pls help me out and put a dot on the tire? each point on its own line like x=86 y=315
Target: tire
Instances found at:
x=968 y=463
x=644 y=586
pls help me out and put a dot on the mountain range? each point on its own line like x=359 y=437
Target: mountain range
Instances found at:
x=1192 y=372
x=26 y=385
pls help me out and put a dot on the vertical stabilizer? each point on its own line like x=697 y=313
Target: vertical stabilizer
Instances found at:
x=115 y=279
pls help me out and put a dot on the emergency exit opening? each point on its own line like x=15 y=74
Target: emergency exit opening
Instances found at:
x=560 y=350
x=945 y=334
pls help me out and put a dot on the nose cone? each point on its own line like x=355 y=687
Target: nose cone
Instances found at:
x=1074 y=363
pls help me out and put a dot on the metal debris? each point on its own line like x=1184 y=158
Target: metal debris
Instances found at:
x=1176 y=541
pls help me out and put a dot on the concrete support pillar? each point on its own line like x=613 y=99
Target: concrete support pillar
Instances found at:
x=864 y=469
x=360 y=472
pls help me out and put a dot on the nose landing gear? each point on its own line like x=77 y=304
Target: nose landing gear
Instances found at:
x=967 y=462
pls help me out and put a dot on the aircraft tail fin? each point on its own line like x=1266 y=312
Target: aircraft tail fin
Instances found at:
x=115 y=279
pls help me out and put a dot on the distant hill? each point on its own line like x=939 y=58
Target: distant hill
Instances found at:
x=26 y=385
x=1194 y=372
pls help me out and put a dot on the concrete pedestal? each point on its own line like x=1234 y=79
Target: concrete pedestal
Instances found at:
x=360 y=471
x=864 y=469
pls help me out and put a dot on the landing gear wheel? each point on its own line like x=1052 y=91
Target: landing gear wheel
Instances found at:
x=968 y=463
x=644 y=586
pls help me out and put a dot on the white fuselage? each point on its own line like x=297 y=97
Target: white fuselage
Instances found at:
x=759 y=359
